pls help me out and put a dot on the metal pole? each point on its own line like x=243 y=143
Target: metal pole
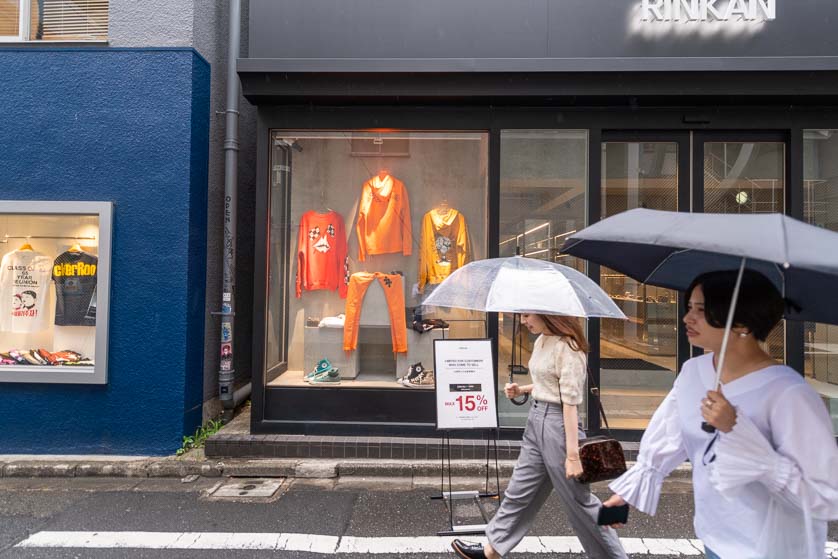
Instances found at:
x=226 y=372
x=706 y=427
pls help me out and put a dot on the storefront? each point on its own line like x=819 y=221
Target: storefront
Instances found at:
x=399 y=141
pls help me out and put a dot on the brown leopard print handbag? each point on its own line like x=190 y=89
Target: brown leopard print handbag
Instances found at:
x=601 y=456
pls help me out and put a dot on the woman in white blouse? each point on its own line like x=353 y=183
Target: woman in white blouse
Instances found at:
x=549 y=457
x=766 y=481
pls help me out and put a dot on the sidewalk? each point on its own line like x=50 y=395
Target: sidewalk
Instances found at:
x=234 y=452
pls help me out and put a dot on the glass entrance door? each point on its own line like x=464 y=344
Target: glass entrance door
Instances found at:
x=676 y=171
x=744 y=174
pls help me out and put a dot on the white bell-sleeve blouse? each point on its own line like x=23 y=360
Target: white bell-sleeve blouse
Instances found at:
x=763 y=490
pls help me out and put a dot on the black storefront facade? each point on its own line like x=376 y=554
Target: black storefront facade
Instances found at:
x=518 y=122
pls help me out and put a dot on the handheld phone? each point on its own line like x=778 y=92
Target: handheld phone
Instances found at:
x=613 y=515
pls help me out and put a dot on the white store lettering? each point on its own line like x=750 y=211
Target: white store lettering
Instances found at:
x=708 y=10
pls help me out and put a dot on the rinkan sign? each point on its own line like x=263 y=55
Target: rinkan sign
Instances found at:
x=708 y=10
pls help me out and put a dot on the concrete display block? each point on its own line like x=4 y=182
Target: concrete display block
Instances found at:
x=328 y=342
x=420 y=347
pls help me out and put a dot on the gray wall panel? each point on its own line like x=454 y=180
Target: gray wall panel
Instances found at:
x=525 y=29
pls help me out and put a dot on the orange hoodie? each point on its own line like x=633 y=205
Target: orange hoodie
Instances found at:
x=384 y=218
x=444 y=247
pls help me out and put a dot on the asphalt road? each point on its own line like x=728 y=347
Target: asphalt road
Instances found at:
x=366 y=510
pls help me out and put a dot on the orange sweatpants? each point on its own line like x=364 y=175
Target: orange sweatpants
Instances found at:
x=394 y=295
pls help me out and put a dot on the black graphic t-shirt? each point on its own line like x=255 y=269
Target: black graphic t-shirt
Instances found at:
x=74 y=274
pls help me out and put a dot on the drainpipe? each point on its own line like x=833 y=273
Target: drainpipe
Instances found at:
x=226 y=372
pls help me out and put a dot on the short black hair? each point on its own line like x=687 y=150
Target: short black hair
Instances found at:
x=759 y=307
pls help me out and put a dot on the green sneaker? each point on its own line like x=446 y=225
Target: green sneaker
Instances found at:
x=323 y=366
x=331 y=376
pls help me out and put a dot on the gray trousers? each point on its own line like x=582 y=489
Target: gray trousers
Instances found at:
x=540 y=470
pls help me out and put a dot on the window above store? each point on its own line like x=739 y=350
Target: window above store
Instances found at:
x=53 y=20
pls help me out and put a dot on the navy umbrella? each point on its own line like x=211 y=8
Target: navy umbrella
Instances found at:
x=669 y=249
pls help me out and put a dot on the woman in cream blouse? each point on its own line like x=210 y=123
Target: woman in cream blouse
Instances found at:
x=549 y=457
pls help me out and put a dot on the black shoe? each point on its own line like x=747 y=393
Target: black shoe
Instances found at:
x=412 y=372
x=468 y=550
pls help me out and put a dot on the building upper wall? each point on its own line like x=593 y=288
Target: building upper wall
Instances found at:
x=151 y=23
x=541 y=29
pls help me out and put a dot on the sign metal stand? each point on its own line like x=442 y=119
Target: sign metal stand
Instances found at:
x=463 y=367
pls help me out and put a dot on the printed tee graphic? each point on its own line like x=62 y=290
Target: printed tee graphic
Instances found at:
x=74 y=274
x=24 y=291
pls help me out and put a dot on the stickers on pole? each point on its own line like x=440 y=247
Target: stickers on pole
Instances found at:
x=465 y=384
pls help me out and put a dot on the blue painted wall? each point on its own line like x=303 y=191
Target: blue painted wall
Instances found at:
x=128 y=126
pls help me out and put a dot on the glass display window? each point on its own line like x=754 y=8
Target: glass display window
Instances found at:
x=363 y=227
x=54 y=285
x=543 y=186
x=820 y=208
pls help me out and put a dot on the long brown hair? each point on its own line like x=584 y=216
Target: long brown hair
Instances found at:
x=567 y=327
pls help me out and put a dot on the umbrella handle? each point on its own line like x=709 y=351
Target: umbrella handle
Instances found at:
x=707 y=428
x=520 y=401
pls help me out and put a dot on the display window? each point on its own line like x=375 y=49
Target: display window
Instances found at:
x=363 y=227
x=53 y=291
x=820 y=207
x=543 y=194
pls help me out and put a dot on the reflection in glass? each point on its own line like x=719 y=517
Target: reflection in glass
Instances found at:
x=542 y=201
x=820 y=207
x=747 y=178
x=638 y=355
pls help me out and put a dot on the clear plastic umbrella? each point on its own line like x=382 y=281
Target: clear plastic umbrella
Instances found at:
x=523 y=285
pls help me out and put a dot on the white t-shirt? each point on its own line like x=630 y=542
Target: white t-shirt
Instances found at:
x=24 y=291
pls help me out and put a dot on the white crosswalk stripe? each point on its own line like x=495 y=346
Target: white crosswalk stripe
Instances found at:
x=337 y=545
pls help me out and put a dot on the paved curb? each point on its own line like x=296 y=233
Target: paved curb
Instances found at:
x=307 y=468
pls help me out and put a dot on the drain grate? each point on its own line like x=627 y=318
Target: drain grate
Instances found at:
x=247 y=489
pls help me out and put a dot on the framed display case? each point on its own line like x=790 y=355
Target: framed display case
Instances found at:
x=54 y=291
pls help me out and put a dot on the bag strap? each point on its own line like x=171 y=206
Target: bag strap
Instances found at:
x=598 y=399
x=598 y=396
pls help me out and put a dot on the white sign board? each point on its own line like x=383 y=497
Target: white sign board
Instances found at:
x=465 y=384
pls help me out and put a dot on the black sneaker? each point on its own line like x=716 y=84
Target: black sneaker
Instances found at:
x=412 y=372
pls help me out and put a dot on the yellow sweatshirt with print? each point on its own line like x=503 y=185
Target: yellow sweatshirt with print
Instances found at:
x=444 y=246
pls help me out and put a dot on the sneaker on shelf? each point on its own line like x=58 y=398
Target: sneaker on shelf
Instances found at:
x=18 y=357
x=312 y=322
x=37 y=355
x=425 y=379
x=437 y=323
x=333 y=321
x=422 y=326
x=46 y=356
x=332 y=376
x=26 y=354
x=412 y=372
x=323 y=366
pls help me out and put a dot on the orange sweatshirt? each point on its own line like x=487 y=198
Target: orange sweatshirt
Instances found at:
x=384 y=218
x=321 y=253
x=444 y=247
